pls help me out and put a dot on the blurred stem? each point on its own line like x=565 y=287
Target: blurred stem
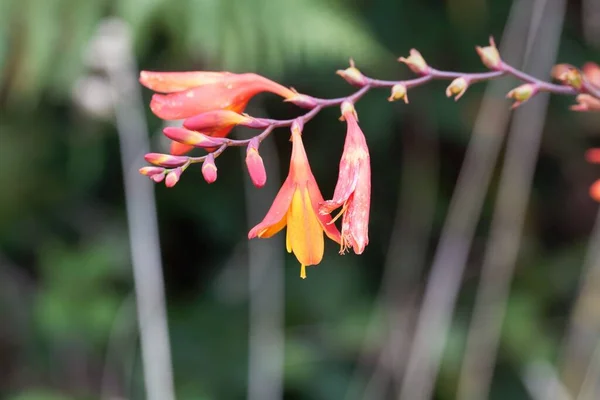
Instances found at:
x=266 y=292
x=450 y=259
x=509 y=215
x=584 y=327
x=112 y=48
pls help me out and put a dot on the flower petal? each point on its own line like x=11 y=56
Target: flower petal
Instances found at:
x=304 y=231
x=169 y=82
x=272 y=223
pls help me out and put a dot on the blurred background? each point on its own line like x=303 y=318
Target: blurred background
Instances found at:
x=482 y=277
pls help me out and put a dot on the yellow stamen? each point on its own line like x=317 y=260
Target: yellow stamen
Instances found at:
x=302 y=271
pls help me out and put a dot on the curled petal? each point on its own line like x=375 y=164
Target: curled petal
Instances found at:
x=173 y=177
x=151 y=171
x=591 y=71
x=304 y=231
x=586 y=102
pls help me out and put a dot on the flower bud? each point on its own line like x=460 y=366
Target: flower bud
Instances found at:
x=352 y=75
x=192 y=138
x=209 y=169
x=151 y=171
x=522 y=93
x=302 y=100
x=158 y=177
x=399 y=93
x=255 y=165
x=489 y=55
x=568 y=75
x=173 y=177
x=457 y=88
x=415 y=62
x=165 y=160
x=212 y=121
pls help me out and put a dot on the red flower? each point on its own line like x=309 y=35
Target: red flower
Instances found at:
x=296 y=205
x=191 y=93
x=353 y=188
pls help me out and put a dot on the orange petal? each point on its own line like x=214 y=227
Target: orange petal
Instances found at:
x=595 y=191
x=275 y=219
x=169 y=82
x=304 y=231
x=179 y=149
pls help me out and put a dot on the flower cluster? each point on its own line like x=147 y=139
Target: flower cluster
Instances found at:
x=211 y=104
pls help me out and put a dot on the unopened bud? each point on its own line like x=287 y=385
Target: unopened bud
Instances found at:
x=151 y=171
x=522 y=93
x=489 y=55
x=173 y=177
x=192 y=138
x=302 y=100
x=352 y=75
x=457 y=88
x=399 y=93
x=158 y=177
x=255 y=165
x=215 y=120
x=209 y=169
x=415 y=62
x=165 y=160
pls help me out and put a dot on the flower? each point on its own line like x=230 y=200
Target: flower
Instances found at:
x=353 y=188
x=188 y=94
x=296 y=206
x=255 y=165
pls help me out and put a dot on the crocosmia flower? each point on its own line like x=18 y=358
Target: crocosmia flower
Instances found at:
x=187 y=94
x=297 y=207
x=353 y=189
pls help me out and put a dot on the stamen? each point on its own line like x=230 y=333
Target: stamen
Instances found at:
x=344 y=208
x=303 y=271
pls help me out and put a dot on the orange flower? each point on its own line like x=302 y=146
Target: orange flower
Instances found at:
x=353 y=189
x=296 y=205
x=192 y=93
